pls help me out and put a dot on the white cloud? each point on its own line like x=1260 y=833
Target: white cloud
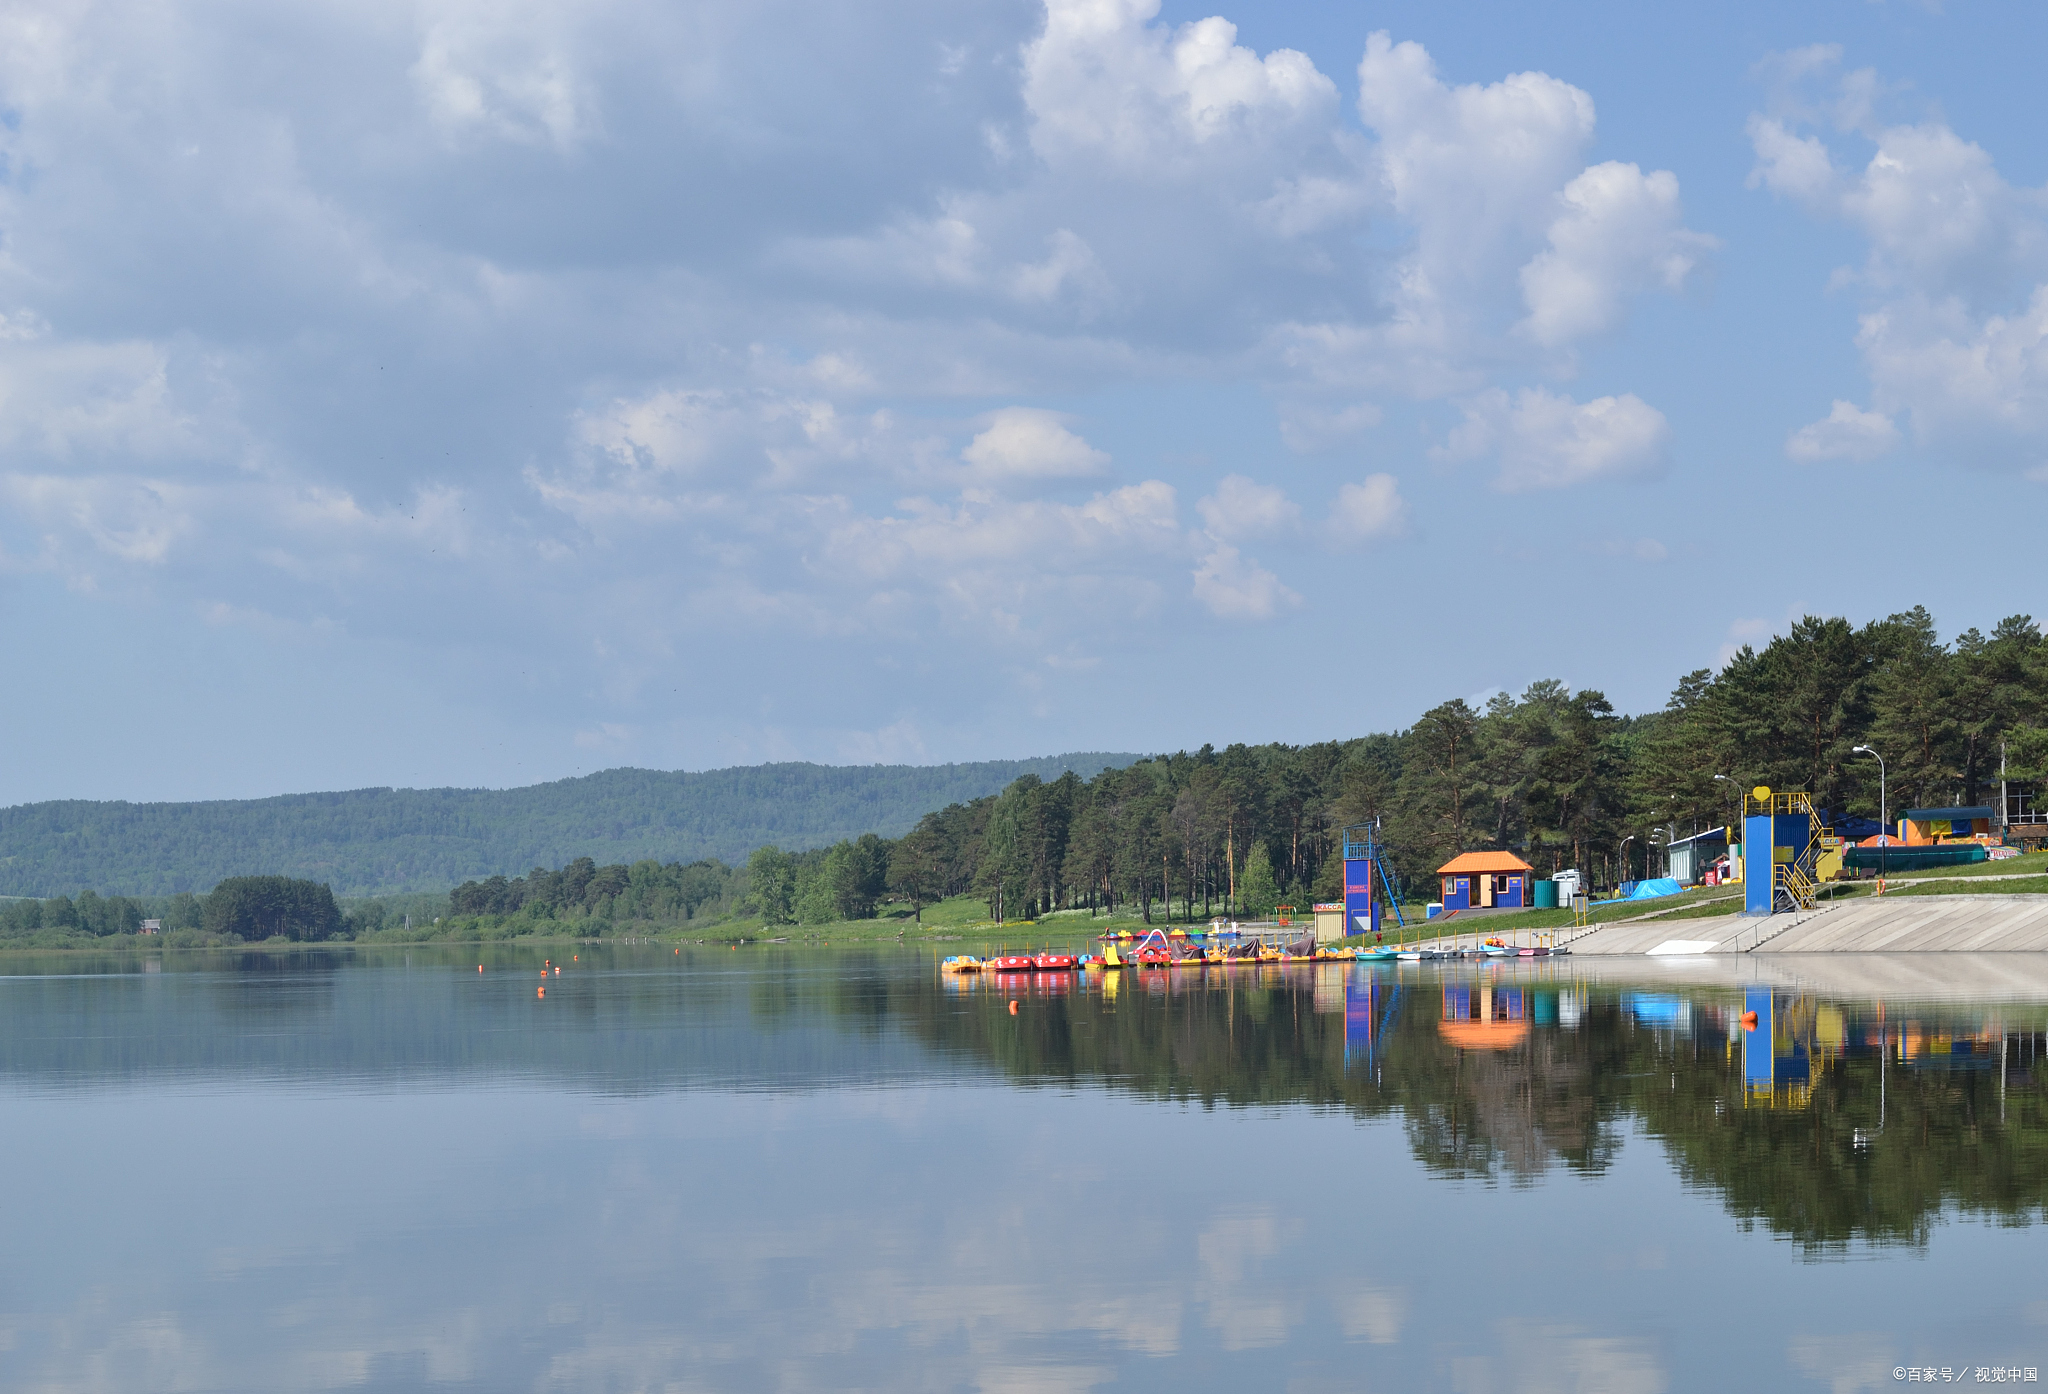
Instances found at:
x=1956 y=335
x=1369 y=511
x=1241 y=508
x=1024 y=444
x=1847 y=433
x=1797 y=166
x=126 y=519
x=1477 y=168
x=1103 y=80
x=1977 y=386
x=1621 y=231
x=510 y=324
x=1544 y=440
x=503 y=69
x=66 y=399
x=1234 y=587
x=1514 y=241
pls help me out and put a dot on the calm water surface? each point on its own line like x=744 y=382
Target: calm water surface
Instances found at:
x=772 y=1170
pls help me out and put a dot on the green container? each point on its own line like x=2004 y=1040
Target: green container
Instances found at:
x=1914 y=858
x=1546 y=895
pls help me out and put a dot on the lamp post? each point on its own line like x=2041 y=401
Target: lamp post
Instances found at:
x=1734 y=819
x=1884 y=837
x=1621 y=871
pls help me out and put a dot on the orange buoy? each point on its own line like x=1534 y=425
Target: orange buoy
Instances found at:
x=558 y=972
x=479 y=968
x=1749 y=1021
x=1013 y=1006
x=540 y=992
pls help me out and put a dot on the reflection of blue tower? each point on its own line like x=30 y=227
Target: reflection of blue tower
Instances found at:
x=1367 y=886
x=1369 y=1012
x=1756 y=1040
x=1773 y=1058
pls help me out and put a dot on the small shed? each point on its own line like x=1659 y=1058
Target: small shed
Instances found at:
x=1329 y=921
x=1486 y=880
x=1928 y=827
x=1690 y=856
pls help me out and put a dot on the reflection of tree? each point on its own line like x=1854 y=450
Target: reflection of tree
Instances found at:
x=1563 y=1096
x=1801 y=1173
x=1515 y=1111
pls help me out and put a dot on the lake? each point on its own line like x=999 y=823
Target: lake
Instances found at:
x=772 y=1169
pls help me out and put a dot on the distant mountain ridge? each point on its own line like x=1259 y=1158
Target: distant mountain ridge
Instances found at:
x=381 y=841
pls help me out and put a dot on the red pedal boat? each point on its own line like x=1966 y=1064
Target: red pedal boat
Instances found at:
x=1007 y=963
x=1055 y=963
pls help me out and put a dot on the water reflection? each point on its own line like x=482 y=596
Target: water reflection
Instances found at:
x=1826 y=1121
x=788 y=1170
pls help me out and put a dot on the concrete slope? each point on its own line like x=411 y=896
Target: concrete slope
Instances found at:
x=1725 y=932
x=1904 y=924
x=1922 y=924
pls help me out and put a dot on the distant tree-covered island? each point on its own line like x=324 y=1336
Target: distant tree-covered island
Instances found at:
x=1554 y=775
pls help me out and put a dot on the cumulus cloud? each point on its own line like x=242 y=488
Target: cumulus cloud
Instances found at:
x=1847 y=433
x=1102 y=79
x=1234 y=587
x=1241 y=508
x=1514 y=237
x=1370 y=511
x=1620 y=232
x=1544 y=440
x=1955 y=275
x=1024 y=445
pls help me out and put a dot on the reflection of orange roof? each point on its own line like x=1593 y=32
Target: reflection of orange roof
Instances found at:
x=1484 y=861
x=1485 y=1035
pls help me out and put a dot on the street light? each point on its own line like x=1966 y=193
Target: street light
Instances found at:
x=1733 y=821
x=1623 y=857
x=1884 y=836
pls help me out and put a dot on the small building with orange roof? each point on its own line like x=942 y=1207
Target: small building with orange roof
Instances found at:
x=1486 y=881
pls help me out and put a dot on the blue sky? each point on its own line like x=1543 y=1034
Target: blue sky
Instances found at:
x=484 y=393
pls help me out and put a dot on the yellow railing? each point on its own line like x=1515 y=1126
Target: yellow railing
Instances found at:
x=1797 y=884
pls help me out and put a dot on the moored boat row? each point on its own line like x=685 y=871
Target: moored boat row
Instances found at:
x=1197 y=956
x=1047 y=962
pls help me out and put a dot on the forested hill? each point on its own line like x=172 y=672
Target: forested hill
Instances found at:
x=369 y=841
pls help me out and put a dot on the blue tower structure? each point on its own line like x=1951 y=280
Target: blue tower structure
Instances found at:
x=1365 y=862
x=1780 y=846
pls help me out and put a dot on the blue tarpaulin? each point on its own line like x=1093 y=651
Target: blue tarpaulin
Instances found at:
x=1645 y=890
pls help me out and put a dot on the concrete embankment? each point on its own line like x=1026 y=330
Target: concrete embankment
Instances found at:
x=1903 y=924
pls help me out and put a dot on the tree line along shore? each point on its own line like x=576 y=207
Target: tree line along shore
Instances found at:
x=1552 y=774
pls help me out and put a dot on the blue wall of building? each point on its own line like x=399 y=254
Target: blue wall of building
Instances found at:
x=1361 y=906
